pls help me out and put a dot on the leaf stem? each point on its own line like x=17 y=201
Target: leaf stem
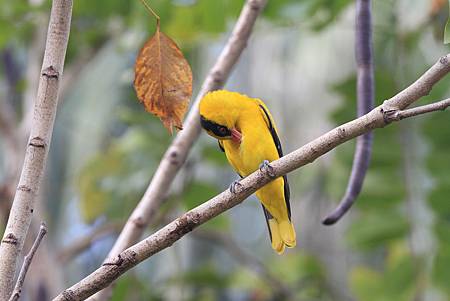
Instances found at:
x=151 y=11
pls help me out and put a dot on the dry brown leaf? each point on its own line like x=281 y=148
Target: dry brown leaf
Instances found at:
x=163 y=80
x=436 y=6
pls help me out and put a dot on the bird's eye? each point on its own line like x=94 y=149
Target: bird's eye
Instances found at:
x=222 y=130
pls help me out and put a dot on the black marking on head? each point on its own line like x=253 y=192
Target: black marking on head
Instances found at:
x=216 y=129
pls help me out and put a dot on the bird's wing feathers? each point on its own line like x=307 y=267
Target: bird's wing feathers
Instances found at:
x=273 y=131
x=271 y=125
x=268 y=216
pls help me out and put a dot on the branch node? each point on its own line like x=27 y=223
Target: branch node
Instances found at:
x=443 y=60
x=37 y=142
x=341 y=133
x=24 y=188
x=50 y=72
x=173 y=157
x=129 y=256
x=389 y=114
x=10 y=239
x=116 y=261
x=138 y=222
x=186 y=223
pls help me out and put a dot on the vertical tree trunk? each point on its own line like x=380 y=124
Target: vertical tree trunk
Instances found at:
x=38 y=144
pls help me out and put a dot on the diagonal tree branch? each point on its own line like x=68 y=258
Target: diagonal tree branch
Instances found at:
x=38 y=144
x=27 y=262
x=177 y=152
x=365 y=103
x=165 y=237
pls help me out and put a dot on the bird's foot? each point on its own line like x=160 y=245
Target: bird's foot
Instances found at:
x=267 y=168
x=235 y=186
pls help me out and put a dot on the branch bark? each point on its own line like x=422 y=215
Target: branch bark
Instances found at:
x=27 y=262
x=176 y=154
x=365 y=103
x=38 y=144
x=165 y=237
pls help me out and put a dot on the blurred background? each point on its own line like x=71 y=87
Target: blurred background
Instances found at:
x=394 y=244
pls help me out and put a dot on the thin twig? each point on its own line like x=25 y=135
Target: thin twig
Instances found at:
x=365 y=103
x=177 y=152
x=432 y=107
x=150 y=9
x=27 y=262
x=38 y=144
x=165 y=237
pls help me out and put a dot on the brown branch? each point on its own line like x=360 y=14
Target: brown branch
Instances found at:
x=365 y=103
x=38 y=144
x=177 y=152
x=165 y=237
x=27 y=262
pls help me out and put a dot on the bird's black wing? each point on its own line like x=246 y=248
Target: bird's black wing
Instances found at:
x=276 y=140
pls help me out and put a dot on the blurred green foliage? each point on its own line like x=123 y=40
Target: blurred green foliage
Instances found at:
x=382 y=226
x=114 y=179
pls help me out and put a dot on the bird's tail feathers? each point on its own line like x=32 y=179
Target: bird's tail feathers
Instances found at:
x=282 y=234
x=277 y=241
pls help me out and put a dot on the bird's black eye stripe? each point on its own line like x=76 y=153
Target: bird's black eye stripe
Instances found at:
x=216 y=129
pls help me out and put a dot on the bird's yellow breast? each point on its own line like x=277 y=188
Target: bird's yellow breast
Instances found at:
x=256 y=145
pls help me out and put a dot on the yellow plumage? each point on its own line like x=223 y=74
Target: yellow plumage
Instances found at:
x=227 y=115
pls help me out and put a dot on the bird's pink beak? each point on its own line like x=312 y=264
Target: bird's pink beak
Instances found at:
x=236 y=136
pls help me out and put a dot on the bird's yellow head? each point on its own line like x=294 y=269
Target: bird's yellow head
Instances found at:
x=219 y=114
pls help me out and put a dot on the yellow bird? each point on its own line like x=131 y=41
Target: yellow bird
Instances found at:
x=247 y=134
